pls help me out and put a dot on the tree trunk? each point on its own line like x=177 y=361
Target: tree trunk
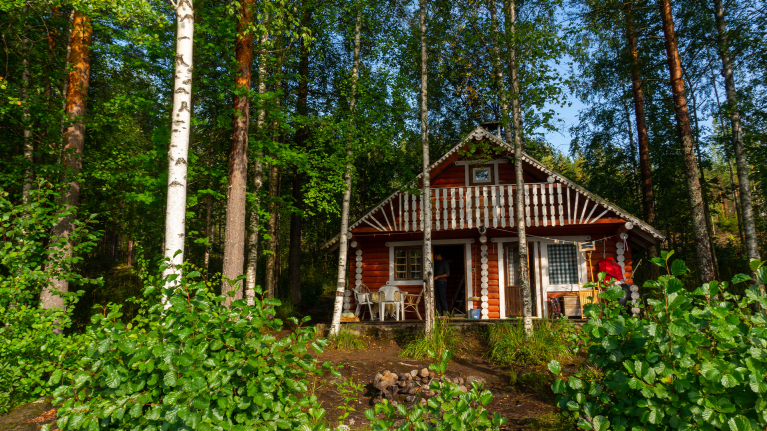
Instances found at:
x=645 y=167
x=272 y=232
x=428 y=264
x=29 y=146
x=749 y=224
x=255 y=219
x=74 y=141
x=294 y=253
x=175 y=216
x=697 y=211
x=236 y=203
x=343 y=248
x=208 y=229
x=524 y=276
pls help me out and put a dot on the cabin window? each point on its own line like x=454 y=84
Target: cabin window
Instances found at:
x=408 y=264
x=481 y=175
x=563 y=264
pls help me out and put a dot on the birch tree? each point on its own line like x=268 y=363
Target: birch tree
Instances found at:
x=697 y=210
x=234 y=242
x=181 y=115
x=343 y=248
x=428 y=270
x=741 y=164
x=516 y=116
x=73 y=143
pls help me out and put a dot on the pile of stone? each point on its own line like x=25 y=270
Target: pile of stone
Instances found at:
x=414 y=385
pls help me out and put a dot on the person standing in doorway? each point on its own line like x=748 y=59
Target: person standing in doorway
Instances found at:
x=441 y=273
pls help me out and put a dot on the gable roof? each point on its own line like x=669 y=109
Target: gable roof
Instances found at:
x=481 y=133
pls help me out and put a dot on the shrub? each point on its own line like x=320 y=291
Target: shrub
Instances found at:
x=443 y=338
x=510 y=345
x=696 y=360
x=192 y=365
x=31 y=340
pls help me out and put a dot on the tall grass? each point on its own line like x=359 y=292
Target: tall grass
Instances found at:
x=443 y=337
x=347 y=339
x=509 y=345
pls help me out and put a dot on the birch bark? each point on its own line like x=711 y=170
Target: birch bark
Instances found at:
x=74 y=141
x=343 y=248
x=29 y=146
x=181 y=117
x=428 y=271
x=524 y=276
x=741 y=163
x=697 y=211
x=234 y=237
x=255 y=219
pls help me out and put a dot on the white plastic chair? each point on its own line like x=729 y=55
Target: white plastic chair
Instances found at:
x=391 y=295
x=362 y=297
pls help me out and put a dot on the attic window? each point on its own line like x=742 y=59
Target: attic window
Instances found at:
x=481 y=175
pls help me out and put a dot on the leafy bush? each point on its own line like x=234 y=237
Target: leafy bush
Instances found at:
x=192 y=365
x=31 y=343
x=696 y=360
x=510 y=345
x=443 y=338
x=347 y=339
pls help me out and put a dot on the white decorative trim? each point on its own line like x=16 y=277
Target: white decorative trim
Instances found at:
x=481 y=162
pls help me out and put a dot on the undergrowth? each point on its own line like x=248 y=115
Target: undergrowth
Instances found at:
x=443 y=337
x=552 y=421
x=348 y=339
x=509 y=345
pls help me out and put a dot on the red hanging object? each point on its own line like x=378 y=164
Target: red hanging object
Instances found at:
x=611 y=267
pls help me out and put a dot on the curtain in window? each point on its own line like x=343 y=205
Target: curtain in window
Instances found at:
x=563 y=264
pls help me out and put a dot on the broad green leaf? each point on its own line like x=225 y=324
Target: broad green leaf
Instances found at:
x=555 y=368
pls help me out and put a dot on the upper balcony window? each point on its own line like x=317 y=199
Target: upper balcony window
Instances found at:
x=481 y=175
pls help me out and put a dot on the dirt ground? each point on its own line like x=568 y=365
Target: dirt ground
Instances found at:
x=515 y=403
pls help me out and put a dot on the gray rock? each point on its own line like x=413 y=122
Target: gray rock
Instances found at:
x=459 y=380
x=410 y=398
x=402 y=383
x=424 y=372
x=463 y=388
x=432 y=375
x=408 y=376
x=425 y=387
x=423 y=402
x=471 y=379
x=386 y=373
x=394 y=403
x=414 y=373
x=384 y=382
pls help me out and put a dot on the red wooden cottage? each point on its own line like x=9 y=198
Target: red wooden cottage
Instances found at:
x=474 y=228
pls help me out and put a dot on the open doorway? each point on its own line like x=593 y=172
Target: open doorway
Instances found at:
x=513 y=292
x=456 y=282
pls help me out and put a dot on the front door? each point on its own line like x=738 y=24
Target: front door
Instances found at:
x=513 y=291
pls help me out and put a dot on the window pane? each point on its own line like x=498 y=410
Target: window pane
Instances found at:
x=563 y=264
x=513 y=254
x=400 y=263
x=481 y=175
x=415 y=264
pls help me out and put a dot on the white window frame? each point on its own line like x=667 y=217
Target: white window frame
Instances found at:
x=543 y=284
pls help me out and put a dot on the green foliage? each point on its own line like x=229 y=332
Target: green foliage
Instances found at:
x=552 y=422
x=350 y=391
x=189 y=363
x=32 y=343
x=510 y=345
x=450 y=409
x=696 y=360
x=444 y=337
x=348 y=338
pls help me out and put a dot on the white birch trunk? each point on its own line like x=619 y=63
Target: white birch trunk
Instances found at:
x=343 y=249
x=428 y=272
x=175 y=215
x=250 y=271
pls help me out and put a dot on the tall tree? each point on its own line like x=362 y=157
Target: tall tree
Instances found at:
x=234 y=242
x=255 y=219
x=343 y=248
x=524 y=276
x=697 y=210
x=428 y=273
x=294 y=253
x=74 y=142
x=29 y=145
x=744 y=183
x=645 y=170
x=181 y=121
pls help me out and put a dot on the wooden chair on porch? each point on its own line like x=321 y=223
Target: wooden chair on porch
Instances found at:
x=412 y=301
